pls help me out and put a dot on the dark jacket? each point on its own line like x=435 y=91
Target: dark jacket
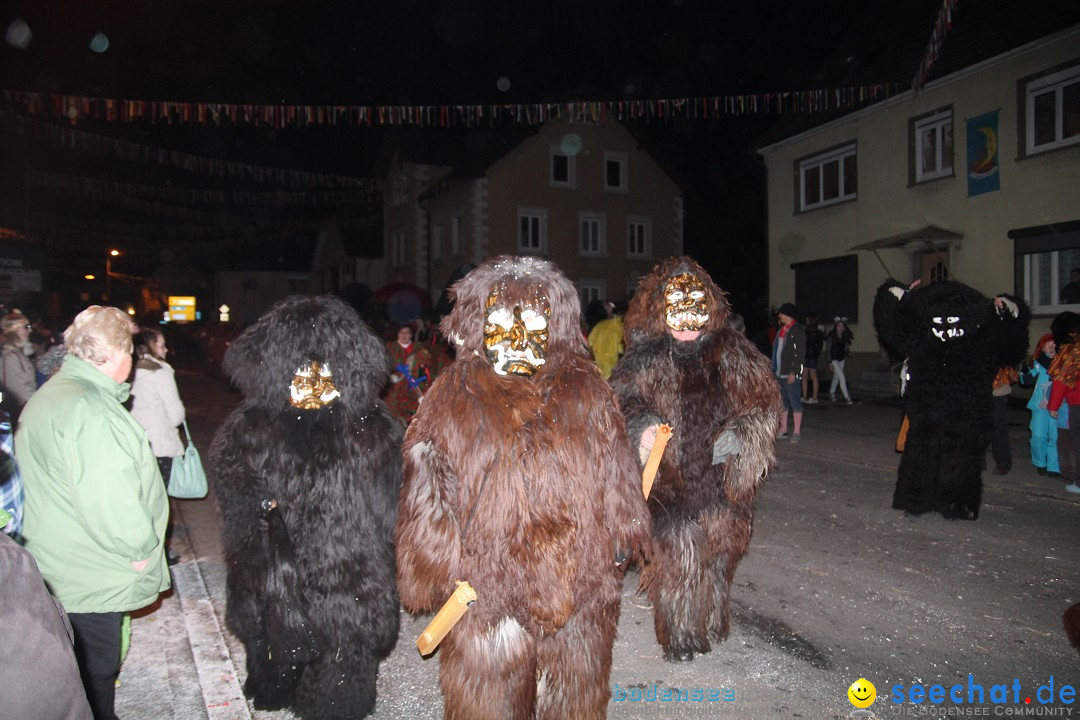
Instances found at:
x=792 y=352
x=815 y=341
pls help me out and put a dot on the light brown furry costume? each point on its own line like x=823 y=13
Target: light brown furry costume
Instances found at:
x=540 y=472
x=702 y=513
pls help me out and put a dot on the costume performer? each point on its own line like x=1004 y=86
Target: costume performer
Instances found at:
x=955 y=340
x=685 y=366
x=520 y=479
x=413 y=369
x=307 y=471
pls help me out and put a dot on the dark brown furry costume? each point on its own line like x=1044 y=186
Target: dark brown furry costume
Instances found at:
x=702 y=513
x=311 y=582
x=539 y=472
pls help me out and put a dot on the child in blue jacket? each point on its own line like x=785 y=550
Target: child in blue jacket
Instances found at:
x=1044 y=428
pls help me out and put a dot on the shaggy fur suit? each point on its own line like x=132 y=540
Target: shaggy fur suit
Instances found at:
x=954 y=339
x=528 y=488
x=311 y=590
x=702 y=513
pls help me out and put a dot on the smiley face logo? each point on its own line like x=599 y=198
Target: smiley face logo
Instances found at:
x=862 y=693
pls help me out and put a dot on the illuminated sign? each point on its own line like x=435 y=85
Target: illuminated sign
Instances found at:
x=181 y=308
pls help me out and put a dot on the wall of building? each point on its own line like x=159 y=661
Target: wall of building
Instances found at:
x=250 y=294
x=522 y=179
x=1034 y=191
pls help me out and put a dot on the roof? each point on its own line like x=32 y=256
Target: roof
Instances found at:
x=469 y=153
x=889 y=40
x=928 y=235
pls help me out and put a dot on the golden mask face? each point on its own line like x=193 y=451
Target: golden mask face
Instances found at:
x=312 y=387
x=684 y=306
x=516 y=336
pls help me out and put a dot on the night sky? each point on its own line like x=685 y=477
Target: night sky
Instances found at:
x=417 y=50
x=423 y=52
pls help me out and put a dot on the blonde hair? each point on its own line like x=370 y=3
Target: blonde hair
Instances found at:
x=98 y=332
x=12 y=321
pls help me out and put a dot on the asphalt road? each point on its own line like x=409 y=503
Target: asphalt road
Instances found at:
x=837 y=586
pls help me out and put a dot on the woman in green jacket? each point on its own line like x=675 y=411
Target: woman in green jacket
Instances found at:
x=95 y=506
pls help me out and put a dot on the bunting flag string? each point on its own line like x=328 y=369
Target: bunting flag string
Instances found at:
x=74 y=108
x=942 y=25
x=73 y=139
x=154 y=209
x=45 y=224
x=101 y=190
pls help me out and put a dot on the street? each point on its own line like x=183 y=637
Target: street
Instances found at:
x=836 y=586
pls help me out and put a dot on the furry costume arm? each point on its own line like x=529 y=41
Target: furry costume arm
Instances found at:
x=625 y=513
x=1012 y=330
x=240 y=493
x=428 y=533
x=893 y=318
x=382 y=494
x=638 y=412
x=754 y=399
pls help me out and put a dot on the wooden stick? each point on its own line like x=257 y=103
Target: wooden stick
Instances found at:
x=451 y=611
x=663 y=434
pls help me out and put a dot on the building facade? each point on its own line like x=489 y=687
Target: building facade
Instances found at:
x=583 y=195
x=976 y=178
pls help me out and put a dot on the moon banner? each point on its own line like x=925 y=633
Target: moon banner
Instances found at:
x=983 y=166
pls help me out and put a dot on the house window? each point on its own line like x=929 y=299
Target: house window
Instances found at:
x=456 y=229
x=933 y=146
x=1052 y=110
x=1046 y=278
x=615 y=172
x=563 y=170
x=639 y=238
x=828 y=178
x=591 y=289
x=397 y=247
x=592 y=232
x=436 y=241
x=532 y=230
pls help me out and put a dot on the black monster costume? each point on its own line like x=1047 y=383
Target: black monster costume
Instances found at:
x=955 y=339
x=307 y=472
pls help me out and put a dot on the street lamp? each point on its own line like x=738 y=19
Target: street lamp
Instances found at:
x=108 y=273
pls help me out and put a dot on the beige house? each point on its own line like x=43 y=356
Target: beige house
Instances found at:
x=583 y=195
x=910 y=188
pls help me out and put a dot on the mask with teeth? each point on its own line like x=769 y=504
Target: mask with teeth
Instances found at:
x=946 y=328
x=516 y=336
x=684 y=306
x=312 y=386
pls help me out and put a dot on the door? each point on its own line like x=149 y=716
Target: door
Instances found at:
x=934 y=265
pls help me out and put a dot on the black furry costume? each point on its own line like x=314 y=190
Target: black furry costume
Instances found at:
x=714 y=390
x=311 y=589
x=955 y=340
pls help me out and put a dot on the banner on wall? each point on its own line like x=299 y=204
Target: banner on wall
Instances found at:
x=983 y=169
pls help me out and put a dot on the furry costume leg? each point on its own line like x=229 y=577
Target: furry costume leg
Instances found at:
x=269 y=684
x=730 y=533
x=917 y=475
x=340 y=684
x=679 y=581
x=487 y=670
x=574 y=664
x=960 y=481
